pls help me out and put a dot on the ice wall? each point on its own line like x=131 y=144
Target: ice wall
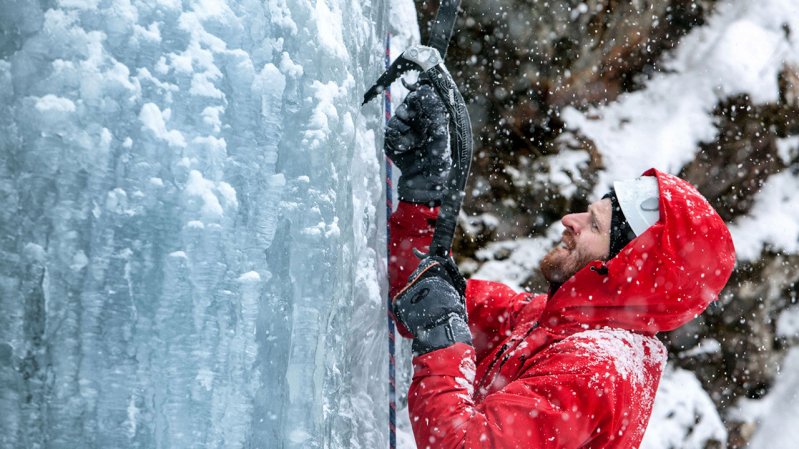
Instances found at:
x=191 y=231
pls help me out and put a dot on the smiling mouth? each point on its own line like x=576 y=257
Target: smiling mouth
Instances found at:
x=567 y=242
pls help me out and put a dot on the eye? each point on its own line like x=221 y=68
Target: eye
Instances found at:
x=594 y=226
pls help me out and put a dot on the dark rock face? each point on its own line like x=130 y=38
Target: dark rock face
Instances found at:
x=732 y=169
x=520 y=62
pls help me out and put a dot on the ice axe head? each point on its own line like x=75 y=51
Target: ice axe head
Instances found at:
x=418 y=57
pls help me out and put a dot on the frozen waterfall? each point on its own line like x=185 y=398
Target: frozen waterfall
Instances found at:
x=193 y=245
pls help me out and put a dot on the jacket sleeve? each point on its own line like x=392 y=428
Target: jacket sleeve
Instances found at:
x=411 y=226
x=491 y=306
x=561 y=403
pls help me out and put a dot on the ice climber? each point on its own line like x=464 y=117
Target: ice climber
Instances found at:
x=577 y=367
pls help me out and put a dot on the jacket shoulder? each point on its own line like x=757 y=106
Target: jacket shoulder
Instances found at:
x=615 y=372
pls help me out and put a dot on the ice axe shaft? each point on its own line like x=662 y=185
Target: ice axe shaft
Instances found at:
x=461 y=146
x=441 y=32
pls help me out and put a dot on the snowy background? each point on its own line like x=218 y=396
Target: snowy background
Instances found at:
x=192 y=245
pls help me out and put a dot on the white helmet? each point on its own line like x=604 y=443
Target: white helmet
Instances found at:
x=639 y=201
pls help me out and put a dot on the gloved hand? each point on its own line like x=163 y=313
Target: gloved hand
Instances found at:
x=432 y=306
x=417 y=141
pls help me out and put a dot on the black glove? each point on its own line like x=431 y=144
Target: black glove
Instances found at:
x=417 y=141
x=432 y=306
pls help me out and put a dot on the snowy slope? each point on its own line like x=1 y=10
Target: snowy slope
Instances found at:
x=193 y=250
x=740 y=50
x=775 y=415
x=684 y=416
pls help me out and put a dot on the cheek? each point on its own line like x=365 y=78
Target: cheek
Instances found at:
x=597 y=248
x=602 y=247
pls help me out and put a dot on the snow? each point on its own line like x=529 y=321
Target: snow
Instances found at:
x=250 y=276
x=55 y=103
x=684 y=416
x=564 y=168
x=330 y=31
x=775 y=415
x=517 y=258
x=325 y=115
x=773 y=221
x=706 y=346
x=788 y=148
x=631 y=354
x=205 y=190
x=153 y=119
x=788 y=323
x=740 y=50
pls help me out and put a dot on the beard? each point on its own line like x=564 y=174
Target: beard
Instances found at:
x=560 y=264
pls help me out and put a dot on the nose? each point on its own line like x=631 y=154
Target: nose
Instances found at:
x=574 y=222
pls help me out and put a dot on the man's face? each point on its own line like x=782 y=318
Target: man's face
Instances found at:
x=585 y=239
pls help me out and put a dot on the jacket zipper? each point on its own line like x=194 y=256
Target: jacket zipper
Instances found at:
x=504 y=356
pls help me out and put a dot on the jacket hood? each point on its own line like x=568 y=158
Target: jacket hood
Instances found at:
x=662 y=279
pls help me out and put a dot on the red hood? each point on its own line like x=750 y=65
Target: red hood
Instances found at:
x=661 y=280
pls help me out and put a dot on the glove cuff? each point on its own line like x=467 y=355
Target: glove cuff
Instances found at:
x=420 y=191
x=453 y=330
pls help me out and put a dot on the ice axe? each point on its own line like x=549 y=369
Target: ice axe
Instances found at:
x=429 y=60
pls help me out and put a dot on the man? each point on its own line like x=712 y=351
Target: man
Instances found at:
x=577 y=367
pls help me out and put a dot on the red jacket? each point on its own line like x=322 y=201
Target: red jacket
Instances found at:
x=578 y=369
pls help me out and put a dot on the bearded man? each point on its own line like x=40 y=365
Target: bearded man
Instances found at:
x=577 y=367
